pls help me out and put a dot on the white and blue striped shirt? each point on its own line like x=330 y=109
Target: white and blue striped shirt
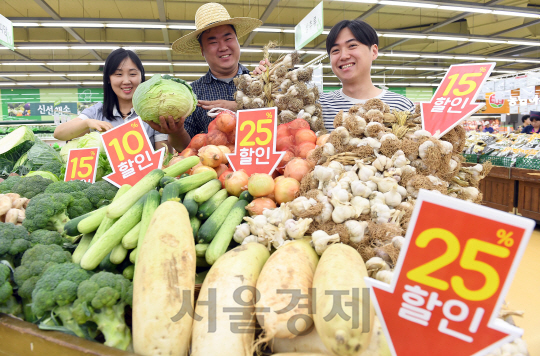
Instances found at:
x=333 y=102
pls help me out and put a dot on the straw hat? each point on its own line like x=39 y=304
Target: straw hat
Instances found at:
x=212 y=15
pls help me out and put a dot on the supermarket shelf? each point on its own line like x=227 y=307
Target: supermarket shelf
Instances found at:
x=26 y=122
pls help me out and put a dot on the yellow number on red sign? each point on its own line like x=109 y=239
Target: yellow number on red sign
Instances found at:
x=421 y=274
x=246 y=141
x=86 y=166
x=140 y=144
x=265 y=131
x=463 y=81
x=260 y=130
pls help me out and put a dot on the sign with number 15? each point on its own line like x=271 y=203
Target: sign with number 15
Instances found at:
x=82 y=164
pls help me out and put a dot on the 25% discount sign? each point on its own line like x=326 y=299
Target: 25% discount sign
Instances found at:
x=455 y=97
x=130 y=153
x=255 y=147
x=454 y=269
x=82 y=164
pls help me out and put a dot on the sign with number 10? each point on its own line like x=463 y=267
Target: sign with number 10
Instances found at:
x=82 y=164
x=453 y=273
x=255 y=150
x=130 y=153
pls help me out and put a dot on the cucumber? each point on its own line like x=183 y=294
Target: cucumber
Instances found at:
x=150 y=206
x=149 y=182
x=165 y=180
x=133 y=255
x=129 y=241
x=201 y=262
x=170 y=192
x=246 y=196
x=81 y=249
x=223 y=238
x=190 y=204
x=184 y=175
x=97 y=252
x=208 y=207
x=211 y=226
x=199 y=277
x=200 y=249
x=181 y=166
x=70 y=228
x=107 y=222
x=129 y=271
x=195 y=225
x=207 y=190
x=118 y=254
x=195 y=181
x=92 y=222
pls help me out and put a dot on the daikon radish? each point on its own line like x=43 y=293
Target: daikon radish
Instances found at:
x=165 y=269
x=235 y=271
x=303 y=343
x=377 y=345
x=341 y=269
x=291 y=268
x=299 y=354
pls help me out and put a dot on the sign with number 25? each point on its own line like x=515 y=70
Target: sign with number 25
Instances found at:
x=81 y=165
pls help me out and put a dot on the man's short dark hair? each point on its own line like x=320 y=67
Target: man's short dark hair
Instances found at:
x=363 y=33
x=199 y=38
x=524 y=118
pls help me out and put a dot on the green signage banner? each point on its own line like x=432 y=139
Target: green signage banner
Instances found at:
x=6 y=33
x=309 y=28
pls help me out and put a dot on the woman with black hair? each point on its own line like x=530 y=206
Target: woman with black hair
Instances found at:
x=352 y=46
x=122 y=74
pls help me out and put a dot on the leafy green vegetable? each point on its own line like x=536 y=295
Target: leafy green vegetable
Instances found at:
x=44 y=174
x=90 y=140
x=40 y=154
x=9 y=159
x=15 y=138
x=64 y=152
x=165 y=96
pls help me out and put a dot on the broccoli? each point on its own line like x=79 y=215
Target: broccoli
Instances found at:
x=7 y=185
x=101 y=193
x=47 y=237
x=55 y=292
x=29 y=187
x=47 y=211
x=8 y=303
x=54 y=167
x=14 y=240
x=76 y=188
x=102 y=300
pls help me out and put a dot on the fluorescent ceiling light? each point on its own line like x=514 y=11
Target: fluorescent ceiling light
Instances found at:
x=525 y=43
x=471 y=58
x=517 y=14
x=25 y=24
x=436 y=56
x=267 y=29
x=182 y=27
x=280 y=51
x=433 y=69
x=67 y=63
x=401 y=55
x=189 y=74
x=193 y=64
x=249 y=50
x=486 y=40
x=31 y=83
x=377 y=67
x=156 y=63
x=408 y=4
x=23 y=63
x=459 y=39
x=138 y=25
x=71 y=24
x=465 y=9
x=43 y=47
x=47 y=75
x=148 y=48
x=527 y=60
x=397 y=35
x=84 y=74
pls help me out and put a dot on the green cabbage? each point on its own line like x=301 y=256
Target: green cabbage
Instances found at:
x=13 y=147
x=44 y=174
x=165 y=96
x=64 y=152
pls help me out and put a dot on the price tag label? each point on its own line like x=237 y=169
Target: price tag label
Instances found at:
x=130 y=153
x=255 y=147
x=454 y=100
x=453 y=273
x=82 y=164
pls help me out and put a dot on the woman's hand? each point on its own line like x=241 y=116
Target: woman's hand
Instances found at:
x=98 y=125
x=262 y=67
x=225 y=104
x=167 y=125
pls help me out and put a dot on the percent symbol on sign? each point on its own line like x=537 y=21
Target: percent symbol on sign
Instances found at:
x=505 y=238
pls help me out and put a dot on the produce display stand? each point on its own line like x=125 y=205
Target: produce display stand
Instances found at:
x=20 y=338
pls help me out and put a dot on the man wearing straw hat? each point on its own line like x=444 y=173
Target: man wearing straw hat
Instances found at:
x=216 y=38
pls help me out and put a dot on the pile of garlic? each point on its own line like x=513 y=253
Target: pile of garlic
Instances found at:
x=284 y=87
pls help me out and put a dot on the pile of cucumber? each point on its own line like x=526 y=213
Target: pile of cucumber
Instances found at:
x=114 y=232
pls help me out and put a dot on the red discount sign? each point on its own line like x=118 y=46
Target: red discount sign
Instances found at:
x=455 y=267
x=454 y=99
x=82 y=164
x=130 y=153
x=255 y=150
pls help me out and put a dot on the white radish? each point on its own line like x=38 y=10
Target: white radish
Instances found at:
x=291 y=267
x=310 y=342
x=338 y=334
x=238 y=268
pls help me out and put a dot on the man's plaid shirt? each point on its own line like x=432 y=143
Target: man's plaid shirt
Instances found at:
x=209 y=88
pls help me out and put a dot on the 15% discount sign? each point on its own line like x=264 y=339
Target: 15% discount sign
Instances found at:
x=130 y=153
x=454 y=270
x=82 y=164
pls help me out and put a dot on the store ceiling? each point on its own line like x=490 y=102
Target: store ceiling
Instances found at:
x=444 y=33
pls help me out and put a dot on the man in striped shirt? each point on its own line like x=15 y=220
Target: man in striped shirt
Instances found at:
x=352 y=46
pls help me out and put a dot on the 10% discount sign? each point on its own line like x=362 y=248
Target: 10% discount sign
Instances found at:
x=454 y=270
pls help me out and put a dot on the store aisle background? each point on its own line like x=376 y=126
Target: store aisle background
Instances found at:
x=524 y=294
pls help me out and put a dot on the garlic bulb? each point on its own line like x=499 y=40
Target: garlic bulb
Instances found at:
x=372 y=142
x=392 y=197
x=381 y=213
x=339 y=194
x=274 y=235
x=297 y=229
x=279 y=215
x=361 y=205
x=453 y=165
x=256 y=239
x=447 y=147
x=336 y=167
x=355 y=141
x=376 y=264
x=356 y=230
x=359 y=188
x=323 y=175
x=326 y=213
x=345 y=183
x=422 y=150
x=300 y=205
x=328 y=149
x=384 y=184
x=371 y=185
x=376 y=198
x=388 y=136
x=385 y=276
x=365 y=172
x=422 y=133
x=398 y=241
x=402 y=191
x=329 y=186
x=399 y=159
x=310 y=109
x=321 y=240
x=351 y=174
x=382 y=163
x=256 y=224
x=342 y=212
x=344 y=133
x=241 y=232
x=286 y=84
